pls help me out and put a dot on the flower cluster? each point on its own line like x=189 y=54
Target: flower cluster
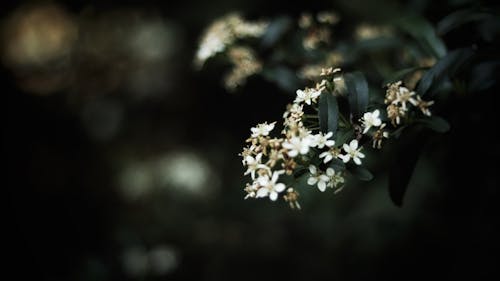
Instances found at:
x=245 y=64
x=225 y=31
x=317 y=29
x=273 y=162
x=398 y=99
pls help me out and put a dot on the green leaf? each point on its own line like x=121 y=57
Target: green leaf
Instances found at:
x=275 y=31
x=461 y=17
x=285 y=78
x=445 y=67
x=328 y=113
x=361 y=173
x=401 y=74
x=401 y=170
x=357 y=93
x=424 y=33
x=436 y=124
x=375 y=44
x=343 y=136
x=337 y=165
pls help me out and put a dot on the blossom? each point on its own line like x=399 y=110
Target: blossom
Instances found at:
x=292 y=197
x=395 y=113
x=308 y=95
x=321 y=140
x=254 y=164
x=379 y=135
x=318 y=178
x=352 y=151
x=335 y=178
x=371 y=119
x=297 y=145
x=262 y=129
x=251 y=190
x=403 y=96
x=329 y=155
x=269 y=187
x=423 y=105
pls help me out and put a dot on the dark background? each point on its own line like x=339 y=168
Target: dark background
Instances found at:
x=66 y=150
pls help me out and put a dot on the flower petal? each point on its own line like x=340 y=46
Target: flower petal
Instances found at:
x=312 y=180
x=279 y=187
x=312 y=169
x=262 y=192
x=354 y=144
x=273 y=195
x=322 y=186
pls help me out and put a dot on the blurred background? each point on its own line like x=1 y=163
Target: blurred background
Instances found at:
x=122 y=160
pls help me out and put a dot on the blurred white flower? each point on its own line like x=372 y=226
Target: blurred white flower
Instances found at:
x=352 y=151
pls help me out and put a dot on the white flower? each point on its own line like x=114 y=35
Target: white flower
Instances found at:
x=335 y=178
x=254 y=164
x=262 y=129
x=352 y=151
x=251 y=190
x=308 y=96
x=321 y=140
x=297 y=145
x=403 y=96
x=318 y=178
x=371 y=119
x=328 y=155
x=269 y=187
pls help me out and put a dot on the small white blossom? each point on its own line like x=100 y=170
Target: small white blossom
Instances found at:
x=321 y=140
x=254 y=164
x=262 y=129
x=308 y=96
x=269 y=187
x=297 y=145
x=335 y=179
x=352 y=151
x=318 y=178
x=328 y=155
x=403 y=96
x=371 y=119
x=251 y=190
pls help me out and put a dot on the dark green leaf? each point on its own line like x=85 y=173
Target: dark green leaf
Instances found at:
x=343 y=136
x=483 y=76
x=444 y=68
x=424 y=33
x=401 y=74
x=407 y=153
x=276 y=29
x=436 y=124
x=458 y=18
x=376 y=44
x=285 y=78
x=361 y=173
x=357 y=93
x=337 y=165
x=328 y=113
